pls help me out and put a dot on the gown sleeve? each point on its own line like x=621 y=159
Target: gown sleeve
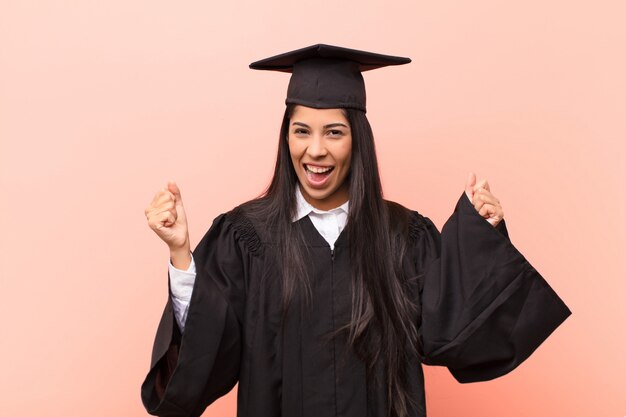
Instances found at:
x=485 y=309
x=190 y=370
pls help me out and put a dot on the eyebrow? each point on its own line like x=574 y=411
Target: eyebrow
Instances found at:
x=325 y=127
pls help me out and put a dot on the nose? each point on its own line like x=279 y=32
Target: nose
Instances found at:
x=317 y=147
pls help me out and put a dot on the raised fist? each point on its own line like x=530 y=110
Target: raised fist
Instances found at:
x=166 y=216
x=487 y=205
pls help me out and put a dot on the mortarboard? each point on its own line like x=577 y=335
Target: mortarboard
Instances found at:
x=327 y=76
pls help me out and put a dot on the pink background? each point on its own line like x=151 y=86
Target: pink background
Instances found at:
x=102 y=102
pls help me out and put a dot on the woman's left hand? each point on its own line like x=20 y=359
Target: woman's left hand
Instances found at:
x=484 y=202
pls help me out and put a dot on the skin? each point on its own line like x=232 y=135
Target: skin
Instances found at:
x=167 y=218
x=483 y=200
x=320 y=137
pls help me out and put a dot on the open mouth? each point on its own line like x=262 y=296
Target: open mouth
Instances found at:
x=316 y=174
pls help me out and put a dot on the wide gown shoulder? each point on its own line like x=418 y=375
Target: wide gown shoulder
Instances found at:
x=191 y=370
x=485 y=308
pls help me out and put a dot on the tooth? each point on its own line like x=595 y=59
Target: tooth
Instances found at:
x=318 y=170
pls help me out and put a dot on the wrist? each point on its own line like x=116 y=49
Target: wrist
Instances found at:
x=180 y=258
x=180 y=248
x=179 y=252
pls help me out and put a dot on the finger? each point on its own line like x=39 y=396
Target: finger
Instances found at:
x=166 y=202
x=167 y=196
x=486 y=210
x=486 y=196
x=158 y=195
x=491 y=213
x=164 y=197
x=486 y=192
x=469 y=186
x=166 y=205
x=166 y=219
x=155 y=210
x=155 y=220
x=173 y=187
x=481 y=184
x=171 y=209
x=478 y=203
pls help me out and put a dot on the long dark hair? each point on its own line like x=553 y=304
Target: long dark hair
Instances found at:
x=383 y=324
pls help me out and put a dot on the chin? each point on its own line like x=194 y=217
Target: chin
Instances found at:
x=318 y=194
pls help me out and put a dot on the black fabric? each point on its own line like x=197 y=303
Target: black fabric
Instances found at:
x=484 y=310
x=327 y=76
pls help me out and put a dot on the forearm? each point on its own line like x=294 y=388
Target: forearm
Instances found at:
x=180 y=257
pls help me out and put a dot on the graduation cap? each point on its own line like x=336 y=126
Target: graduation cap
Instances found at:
x=327 y=76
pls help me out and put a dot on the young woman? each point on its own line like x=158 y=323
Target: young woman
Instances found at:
x=320 y=298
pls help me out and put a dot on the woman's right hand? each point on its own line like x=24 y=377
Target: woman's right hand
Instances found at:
x=166 y=216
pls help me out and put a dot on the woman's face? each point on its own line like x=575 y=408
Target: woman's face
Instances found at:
x=320 y=144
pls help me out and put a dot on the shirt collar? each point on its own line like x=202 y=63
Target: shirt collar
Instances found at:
x=304 y=207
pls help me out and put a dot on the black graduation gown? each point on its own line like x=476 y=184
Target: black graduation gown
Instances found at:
x=484 y=310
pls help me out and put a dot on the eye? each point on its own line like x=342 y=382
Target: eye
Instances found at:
x=300 y=131
x=335 y=132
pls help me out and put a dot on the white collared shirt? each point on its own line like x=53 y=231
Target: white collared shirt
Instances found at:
x=329 y=224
